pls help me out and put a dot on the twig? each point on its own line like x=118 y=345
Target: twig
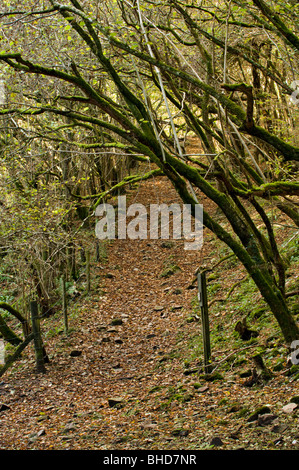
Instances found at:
x=230 y=291
x=231 y=354
x=293 y=293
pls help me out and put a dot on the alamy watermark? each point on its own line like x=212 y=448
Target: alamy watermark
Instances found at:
x=151 y=224
x=2 y=92
x=295 y=95
x=2 y=352
x=295 y=353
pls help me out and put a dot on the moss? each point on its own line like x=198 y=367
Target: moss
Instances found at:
x=223 y=401
x=243 y=412
x=167 y=244
x=295 y=400
x=278 y=366
x=190 y=319
x=295 y=309
x=170 y=270
x=212 y=377
x=294 y=369
x=214 y=288
x=170 y=267
x=197 y=385
x=257 y=313
x=155 y=389
x=235 y=407
x=259 y=411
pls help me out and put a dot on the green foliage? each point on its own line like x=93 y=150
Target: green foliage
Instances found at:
x=115 y=84
x=169 y=267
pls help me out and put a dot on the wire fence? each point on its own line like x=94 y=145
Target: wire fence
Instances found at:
x=60 y=304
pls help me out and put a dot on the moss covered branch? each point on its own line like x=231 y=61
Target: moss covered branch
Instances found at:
x=276 y=20
x=16 y=314
x=128 y=180
x=8 y=334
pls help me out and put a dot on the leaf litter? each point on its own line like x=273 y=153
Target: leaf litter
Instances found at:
x=132 y=384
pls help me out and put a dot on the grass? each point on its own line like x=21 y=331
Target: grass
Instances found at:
x=244 y=301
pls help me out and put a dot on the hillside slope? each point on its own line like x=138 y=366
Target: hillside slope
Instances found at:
x=136 y=381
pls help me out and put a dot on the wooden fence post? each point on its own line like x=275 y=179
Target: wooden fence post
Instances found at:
x=97 y=251
x=88 y=270
x=64 y=304
x=203 y=303
x=38 y=345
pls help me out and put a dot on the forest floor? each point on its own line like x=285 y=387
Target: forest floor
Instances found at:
x=135 y=380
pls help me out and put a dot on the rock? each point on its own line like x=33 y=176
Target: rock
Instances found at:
x=150 y=335
x=190 y=371
x=244 y=332
x=116 y=321
x=69 y=427
x=180 y=432
x=245 y=374
x=118 y=341
x=105 y=339
x=177 y=291
x=212 y=377
x=116 y=365
x=279 y=428
x=34 y=435
x=216 y=441
x=158 y=308
x=112 y=330
x=117 y=402
x=234 y=408
x=75 y=353
x=266 y=419
x=42 y=418
x=200 y=388
x=260 y=411
x=167 y=244
x=289 y=408
x=101 y=327
x=109 y=275
x=4 y=407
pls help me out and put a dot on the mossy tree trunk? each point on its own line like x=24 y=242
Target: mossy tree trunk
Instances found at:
x=248 y=253
x=201 y=103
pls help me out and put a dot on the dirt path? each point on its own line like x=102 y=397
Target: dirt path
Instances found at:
x=132 y=335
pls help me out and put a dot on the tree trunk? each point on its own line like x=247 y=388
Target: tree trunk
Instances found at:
x=249 y=257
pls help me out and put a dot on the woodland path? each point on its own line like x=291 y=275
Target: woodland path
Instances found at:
x=139 y=361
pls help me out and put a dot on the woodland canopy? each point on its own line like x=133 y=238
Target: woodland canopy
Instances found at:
x=97 y=96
